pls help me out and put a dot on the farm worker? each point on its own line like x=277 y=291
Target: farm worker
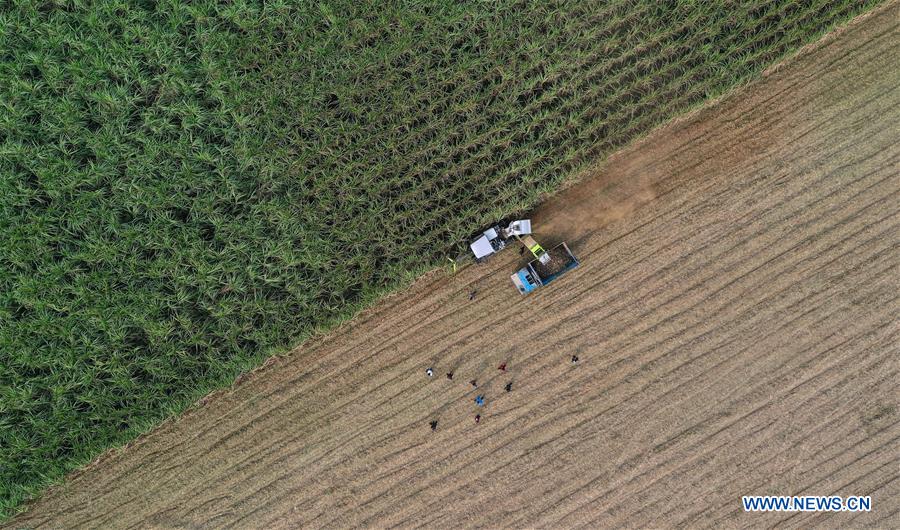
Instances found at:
x=472 y=294
x=434 y=425
x=429 y=372
x=508 y=387
x=477 y=418
x=574 y=359
x=502 y=367
x=479 y=400
x=473 y=381
x=449 y=375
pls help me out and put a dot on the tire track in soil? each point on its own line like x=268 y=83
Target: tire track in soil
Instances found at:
x=735 y=316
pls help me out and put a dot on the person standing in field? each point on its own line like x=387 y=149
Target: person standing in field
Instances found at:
x=502 y=367
x=477 y=418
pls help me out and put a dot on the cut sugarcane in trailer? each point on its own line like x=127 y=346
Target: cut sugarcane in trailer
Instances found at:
x=543 y=269
x=546 y=266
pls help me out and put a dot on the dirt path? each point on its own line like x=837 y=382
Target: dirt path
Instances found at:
x=735 y=316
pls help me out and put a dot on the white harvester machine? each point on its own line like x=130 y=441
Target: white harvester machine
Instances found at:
x=495 y=238
x=543 y=269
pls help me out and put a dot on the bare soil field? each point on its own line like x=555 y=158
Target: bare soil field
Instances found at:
x=735 y=319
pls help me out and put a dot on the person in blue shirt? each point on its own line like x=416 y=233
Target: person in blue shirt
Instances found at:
x=479 y=400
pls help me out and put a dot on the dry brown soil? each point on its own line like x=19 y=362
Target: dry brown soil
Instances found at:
x=735 y=316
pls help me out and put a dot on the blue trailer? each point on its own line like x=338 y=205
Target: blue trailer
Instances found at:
x=546 y=267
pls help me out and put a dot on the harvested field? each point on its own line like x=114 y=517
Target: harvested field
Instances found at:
x=735 y=315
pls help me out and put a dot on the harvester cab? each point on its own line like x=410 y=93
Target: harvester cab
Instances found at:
x=495 y=238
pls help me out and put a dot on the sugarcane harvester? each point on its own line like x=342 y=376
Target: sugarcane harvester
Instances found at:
x=543 y=269
x=495 y=238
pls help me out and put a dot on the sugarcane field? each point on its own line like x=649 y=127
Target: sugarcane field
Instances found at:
x=512 y=264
